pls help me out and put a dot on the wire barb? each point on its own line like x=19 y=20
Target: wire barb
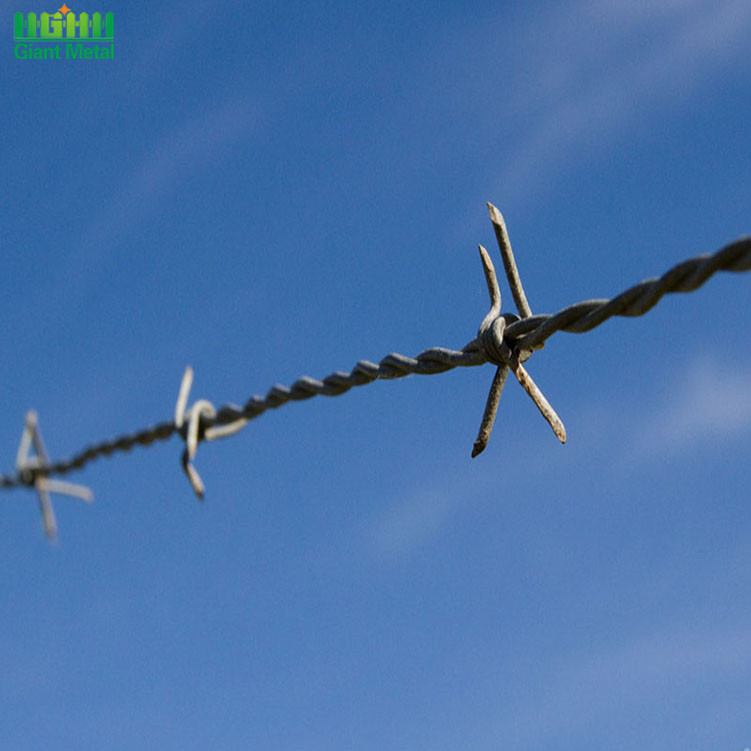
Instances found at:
x=199 y=418
x=201 y=407
x=31 y=470
x=492 y=338
x=509 y=263
x=504 y=339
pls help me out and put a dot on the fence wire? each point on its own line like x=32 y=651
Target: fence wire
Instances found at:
x=503 y=339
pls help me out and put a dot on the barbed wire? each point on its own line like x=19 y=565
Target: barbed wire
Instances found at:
x=506 y=340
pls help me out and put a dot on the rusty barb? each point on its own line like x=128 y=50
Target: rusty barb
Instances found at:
x=506 y=340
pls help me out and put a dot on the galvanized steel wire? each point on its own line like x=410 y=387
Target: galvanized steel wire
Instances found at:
x=505 y=340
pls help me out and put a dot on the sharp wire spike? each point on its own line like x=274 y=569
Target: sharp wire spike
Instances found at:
x=182 y=396
x=509 y=263
x=193 y=477
x=492 y=281
x=546 y=410
x=491 y=408
x=48 y=514
x=202 y=407
x=66 y=488
x=22 y=457
x=510 y=358
x=223 y=431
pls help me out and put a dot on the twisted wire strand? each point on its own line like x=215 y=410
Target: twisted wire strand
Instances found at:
x=635 y=301
x=525 y=334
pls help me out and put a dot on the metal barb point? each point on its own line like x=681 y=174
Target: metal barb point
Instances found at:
x=491 y=336
x=182 y=396
x=31 y=470
x=191 y=434
x=491 y=408
x=201 y=408
x=492 y=281
x=546 y=410
x=509 y=263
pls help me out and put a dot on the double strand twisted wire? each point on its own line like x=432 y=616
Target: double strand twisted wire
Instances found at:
x=525 y=334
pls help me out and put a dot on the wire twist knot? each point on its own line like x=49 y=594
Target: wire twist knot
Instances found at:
x=196 y=424
x=495 y=345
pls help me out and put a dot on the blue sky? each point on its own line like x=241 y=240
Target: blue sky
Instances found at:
x=268 y=191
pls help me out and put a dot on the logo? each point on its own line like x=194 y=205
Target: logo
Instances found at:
x=64 y=35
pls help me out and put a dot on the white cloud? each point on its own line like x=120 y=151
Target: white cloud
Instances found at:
x=615 y=683
x=185 y=149
x=711 y=400
x=413 y=521
x=418 y=519
x=594 y=69
x=706 y=400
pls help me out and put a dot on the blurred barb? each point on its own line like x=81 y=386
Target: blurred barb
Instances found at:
x=503 y=339
x=195 y=431
x=31 y=470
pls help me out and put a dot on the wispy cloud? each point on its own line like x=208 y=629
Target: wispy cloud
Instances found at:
x=419 y=518
x=709 y=400
x=413 y=521
x=570 y=696
x=704 y=399
x=594 y=70
x=186 y=149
